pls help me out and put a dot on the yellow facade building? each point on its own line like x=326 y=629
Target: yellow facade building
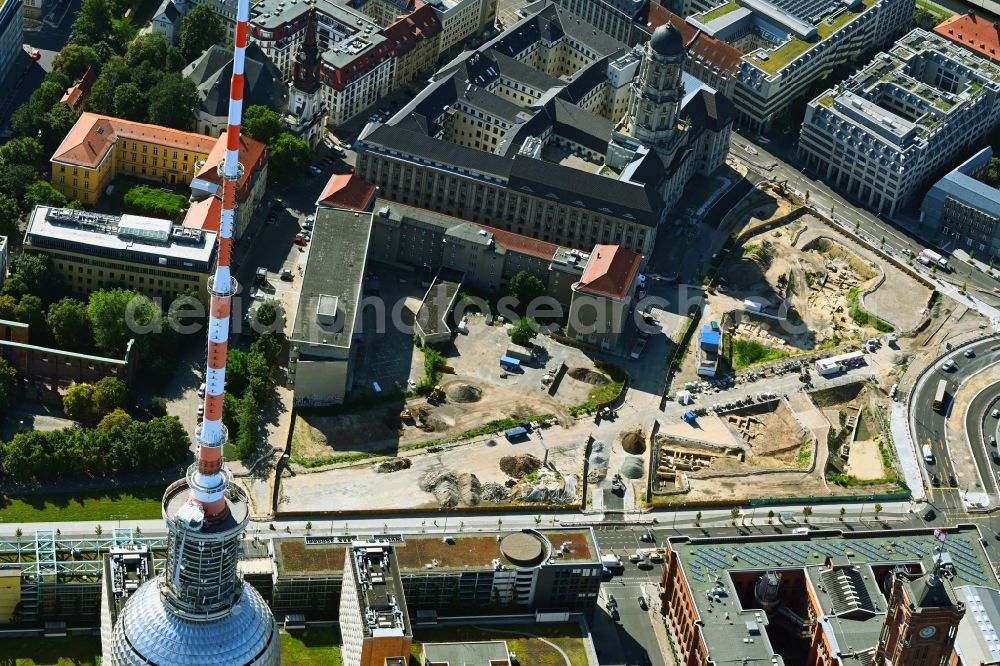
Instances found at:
x=99 y=148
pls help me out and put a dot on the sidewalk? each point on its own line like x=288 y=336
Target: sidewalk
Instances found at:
x=906 y=450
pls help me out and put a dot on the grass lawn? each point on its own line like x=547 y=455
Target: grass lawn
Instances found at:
x=76 y=651
x=311 y=646
x=940 y=13
x=529 y=650
x=604 y=393
x=719 y=11
x=141 y=503
x=748 y=352
x=862 y=317
x=792 y=49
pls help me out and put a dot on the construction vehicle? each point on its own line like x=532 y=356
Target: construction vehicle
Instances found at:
x=779 y=186
x=406 y=415
x=436 y=395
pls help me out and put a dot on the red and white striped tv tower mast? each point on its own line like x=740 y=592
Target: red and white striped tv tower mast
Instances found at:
x=200 y=611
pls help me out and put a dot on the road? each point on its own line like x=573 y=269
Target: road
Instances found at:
x=980 y=428
x=927 y=426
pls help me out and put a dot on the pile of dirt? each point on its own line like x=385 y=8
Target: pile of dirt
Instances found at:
x=632 y=468
x=393 y=465
x=442 y=483
x=493 y=492
x=465 y=393
x=469 y=488
x=519 y=466
x=634 y=442
x=588 y=376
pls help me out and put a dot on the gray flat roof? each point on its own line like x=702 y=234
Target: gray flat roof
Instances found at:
x=437 y=301
x=466 y=654
x=92 y=233
x=335 y=267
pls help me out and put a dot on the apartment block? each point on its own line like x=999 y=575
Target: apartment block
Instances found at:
x=882 y=135
x=789 y=46
x=963 y=211
x=614 y=17
x=92 y=251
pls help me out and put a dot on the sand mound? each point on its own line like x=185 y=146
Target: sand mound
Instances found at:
x=632 y=468
x=393 y=465
x=465 y=393
x=634 y=442
x=519 y=466
x=589 y=376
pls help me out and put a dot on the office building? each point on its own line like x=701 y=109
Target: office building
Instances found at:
x=365 y=55
x=840 y=599
x=448 y=574
x=323 y=351
x=883 y=134
x=92 y=251
x=11 y=34
x=211 y=72
x=555 y=131
x=374 y=624
x=98 y=148
x=976 y=33
x=789 y=46
x=962 y=211
x=603 y=298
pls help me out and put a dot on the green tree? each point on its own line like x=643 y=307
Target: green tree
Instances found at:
x=69 y=324
x=78 y=403
x=158 y=406
x=117 y=421
x=230 y=414
x=522 y=331
x=14 y=180
x=175 y=59
x=993 y=174
x=248 y=423
x=261 y=123
x=24 y=150
x=770 y=516
x=697 y=519
x=74 y=60
x=525 y=287
x=29 y=311
x=93 y=22
x=923 y=18
x=109 y=310
x=123 y=31
x=148 y=47
x=267 y=313
x=201 y=28
x=41 y=193
x=35 y=270
x=110 y=393
x=130 y=102
x=734 y=513
x=268 y=346
x=806 y=512
x=878 y=510
x=10 y=215
x=56 y=124
x=290 y=157
x=8 y=386
x=843 y=512
x=172 y=100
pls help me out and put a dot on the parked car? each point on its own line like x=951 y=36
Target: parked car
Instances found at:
x=201 y=389
x=643 y=604
x=315 y=170
x=301 y=241
x=948 y=365
x=286 y=274
x=930 y=514
x=35 y=54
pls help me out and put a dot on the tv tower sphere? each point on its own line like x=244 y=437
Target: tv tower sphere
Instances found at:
x=200 y=611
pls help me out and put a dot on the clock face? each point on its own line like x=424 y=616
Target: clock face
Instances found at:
x=927 y=632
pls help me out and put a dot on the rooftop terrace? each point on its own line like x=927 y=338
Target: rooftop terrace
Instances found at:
x=794 y=47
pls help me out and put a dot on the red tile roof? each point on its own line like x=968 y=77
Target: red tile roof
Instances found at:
x=973 y=32
x=406 y=33
x=610 y=271
x=345 y=190
x=75 y=94
x=204 y=214
x=715 y=52
x=523 y=244
x=253 y=157
x=93 y=135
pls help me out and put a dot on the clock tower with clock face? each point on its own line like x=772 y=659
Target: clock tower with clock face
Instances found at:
x=922 y=619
